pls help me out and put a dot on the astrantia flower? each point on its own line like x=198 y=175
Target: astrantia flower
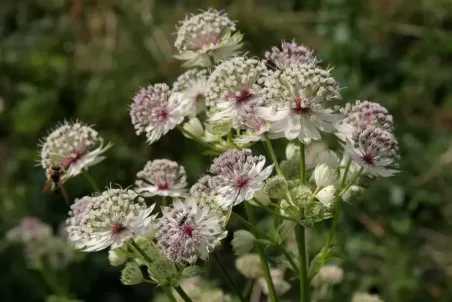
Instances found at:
x=188 y=231
x=161 y=177
x=290 y=53
x=30 y=228
x=155 y=111
x=192 y=84
x=109 y=219
x=374 y=149
x=249 y=265
x=328 y=274
x=240 y=174
x=74 y=146
x=233 y=88
x=205 y=189
x=295 y=102
x=206 y=37
x=361 y=115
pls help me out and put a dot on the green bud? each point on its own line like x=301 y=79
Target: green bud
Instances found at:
x=301 y=195
x=276 y=187
x=118 y=256
x=290 y=168
x=163 y=271
x=220 y=128
x=148 y=246
x=131 y=274
x=243 y=242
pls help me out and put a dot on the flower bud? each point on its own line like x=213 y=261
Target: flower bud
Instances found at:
x=276 y=187
x=328 y=274
x=148 y=246
x=249 y=266
x=301 y=195
x=292 y=151
x=163 y=271
x=290 y=168
x=327 y=196
x=131 y=274
x=118 y=256
x=220 y=127
x=194 y=126
x=324 y=175
x=243 y=242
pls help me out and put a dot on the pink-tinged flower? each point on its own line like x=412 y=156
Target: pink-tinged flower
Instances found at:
x=161 y=177
x=233 y=89
x=295 y=102
x=108 y=220
x=374 y=149
x=188 y=231
x=290 y=53
x=207 y=38
x=155 y=111
x=29 y=229
x=74 y=146
x=361 y=115
x=240 y=175
x=193 y=85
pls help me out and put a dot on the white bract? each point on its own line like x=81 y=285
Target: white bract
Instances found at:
x=193 y=86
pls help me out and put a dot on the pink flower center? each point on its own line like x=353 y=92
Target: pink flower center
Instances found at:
x=162 y=114
x=188 y=229
x=117 y=228
x=162 y=186
x=210 y=38
x=243 y=95
x=299 y=109
x=72 y=158
x=368 y=158
x=241 y=182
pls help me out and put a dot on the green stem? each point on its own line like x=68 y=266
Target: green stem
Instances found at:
x=197 y=139
x=351 y=182
x=229 y=279
x=302 y=164
x=263 y=260
x=212 y=61
x=91 y=181
x=303 y=260
x=182 y=294
x=347 y=168
x=169 y=294
x=164 y=201
x=267 y=209
x=140 y=251
x=248 y=287
x=290 y=259
x=270 y=150
x=52 y=282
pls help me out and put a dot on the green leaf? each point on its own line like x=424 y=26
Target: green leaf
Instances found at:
x=191 y=271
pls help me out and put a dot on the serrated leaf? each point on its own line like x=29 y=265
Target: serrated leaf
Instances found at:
x=191 y=271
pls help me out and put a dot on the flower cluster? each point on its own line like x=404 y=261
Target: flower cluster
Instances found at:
x=207 y=37
x=289 y=54
x=73 y=146
x=193 y=85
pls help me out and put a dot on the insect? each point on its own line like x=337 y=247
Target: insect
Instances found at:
x=183 y=220
x=53 y=181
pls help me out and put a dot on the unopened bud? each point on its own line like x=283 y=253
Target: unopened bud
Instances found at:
x=290 y=168
x=194 y=126
x=243 y=242
x=249 y=266
x=163 y=271
x=131 y=274
x=292 y=151
x=118 y=256
x=276 y=187
x=220 y=127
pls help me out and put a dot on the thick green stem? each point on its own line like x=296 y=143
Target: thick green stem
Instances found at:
x=164 y=201
x=229 y=279
x=290 y=259
x=169 y=294
x=302 y=164
x=91 y=181
x=270 y=150
x=263 y=259
x=248 y=287
x=303 y=261
x=183 y=294
x=140 y=251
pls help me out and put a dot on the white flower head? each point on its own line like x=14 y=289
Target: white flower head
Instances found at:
x=295 y=102
x=361 y=115
x=249 y=265
x=74 y=146
x=155 y=111
x=328 y=157
x=290 y=53
x=108 y=219
x=188 y=231
x=328 y=274
x=193 y=85
x=234 y=90
x=240 y=175
x=374 y=149
x=29 y=229
x=206 y=37
x=161 y=177
x=324 y=175
x=281 y=286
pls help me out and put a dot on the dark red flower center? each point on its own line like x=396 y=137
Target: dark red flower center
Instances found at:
x=72 y=158
x=368 y=158
x=241 y=182
x=117 y=228
x=163 y=186
x=243 y=96
x=163 y=114
x=299 y=109
x=188 y=229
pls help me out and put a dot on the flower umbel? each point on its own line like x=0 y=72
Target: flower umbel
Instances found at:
x=161 y=177
x=74 y=146
x=108 y=219
x=205 y=37
x=193 y=85
x=188 y=231
x=240 y=175
x=155 y=111
x=290 y=53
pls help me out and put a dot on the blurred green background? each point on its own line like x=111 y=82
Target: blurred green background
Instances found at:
x=84 y=59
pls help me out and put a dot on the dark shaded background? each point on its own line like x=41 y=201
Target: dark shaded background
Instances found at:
x=86 y=58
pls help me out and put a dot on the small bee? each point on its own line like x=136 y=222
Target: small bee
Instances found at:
x=53 y=181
